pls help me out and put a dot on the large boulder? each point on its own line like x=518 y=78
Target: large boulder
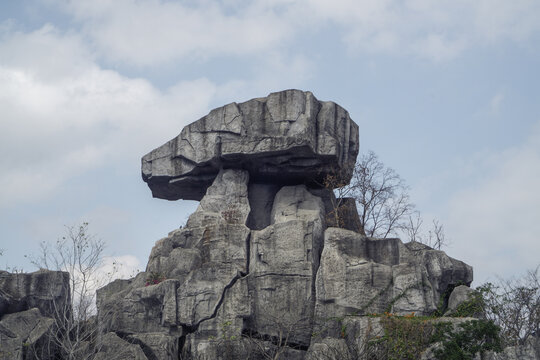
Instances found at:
x=270 y=257
x=31 y=307
x=46 y=290
x=362 y=275
x=26 y=335
x=286 y=137
x=189 y=275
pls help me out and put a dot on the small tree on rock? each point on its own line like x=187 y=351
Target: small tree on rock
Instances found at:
x=80 y=254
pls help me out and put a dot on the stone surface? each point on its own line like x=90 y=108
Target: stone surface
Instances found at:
x=196 y=269
x=363 y=275
x=263 y=264
x=529 y=351
x=347 y=338
x=29 y=305
x=284 y=260
x=329 y=349
x=139 y=309
x=339 y=212
x=42 y=289
x=459 y=295
x=230 y=289
x=287 y=137
x=261 y=200
x=24 y=335
x=156 y=345
x=113 y=347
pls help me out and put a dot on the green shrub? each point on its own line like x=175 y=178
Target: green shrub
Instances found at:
x=475 y=336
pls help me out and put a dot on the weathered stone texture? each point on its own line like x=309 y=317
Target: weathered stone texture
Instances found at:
x=113 y=347
x=264 y=263
x=284 y=260
x=529 y=351
x=460 y=295
x=287 y=137
x=364 y=275
x=42 y=289
x=25 y=335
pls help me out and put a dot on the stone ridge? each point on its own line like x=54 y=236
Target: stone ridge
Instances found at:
x=289 y=274
x=286 y=138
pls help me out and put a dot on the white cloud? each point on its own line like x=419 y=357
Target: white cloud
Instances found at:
x=494 y=221
x=58 y=122
x=154 y=32
x=118 y=267
x=45 y=54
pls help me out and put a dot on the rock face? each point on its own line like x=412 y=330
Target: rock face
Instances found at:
x=363 y=275
x=529 y=351
x=28 y=312
x=286 y=137
x=44 y=290
x=260 y=266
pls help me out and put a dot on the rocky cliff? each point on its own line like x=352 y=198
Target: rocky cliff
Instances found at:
x=31 y=306
x=257 y=268
x=261 y=270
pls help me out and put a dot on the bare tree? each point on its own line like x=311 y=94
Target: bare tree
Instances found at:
x=382 y=196
x=514 y=305
x=337 y=181
x=80 y=254
x=434 y=237
x=383 y=203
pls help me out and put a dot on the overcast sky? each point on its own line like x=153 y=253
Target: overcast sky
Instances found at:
x=445 y=92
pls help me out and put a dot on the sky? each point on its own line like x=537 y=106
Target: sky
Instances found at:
x=447 y=93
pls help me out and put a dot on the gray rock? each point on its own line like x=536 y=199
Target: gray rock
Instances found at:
x=347 y=338
x=156 y=345
x=284 y=260
x=261 y=200
x=221 y=337
x=329 y=349
x=287 y=137
x=227 y=200
x=362 y=275
x=30 y=306
x=348 y=216
x=139 y=309
x=197 y=270
x=45 y=290
x=339 y=212
x=529 y=351
x=113 y=347
x=25 y=335
x=257 y=271
x=460 y=295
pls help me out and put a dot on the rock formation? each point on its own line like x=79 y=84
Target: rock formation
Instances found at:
x=262 y=269
x=288 y=136
x=29 y=310
x=257 y=266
